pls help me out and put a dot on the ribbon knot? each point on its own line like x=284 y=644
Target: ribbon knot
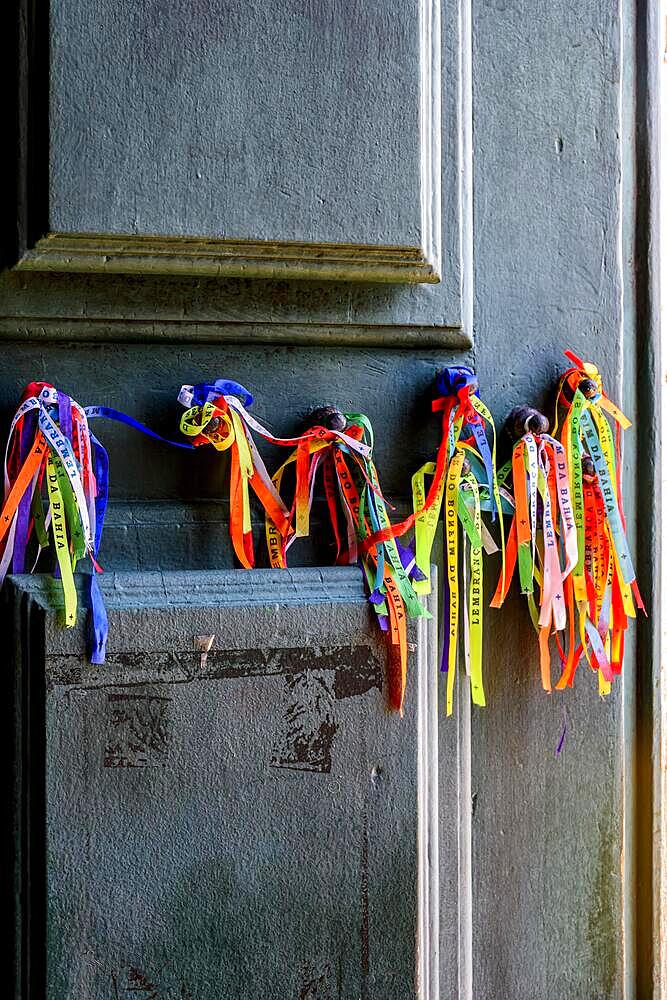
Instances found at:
x=210 y=424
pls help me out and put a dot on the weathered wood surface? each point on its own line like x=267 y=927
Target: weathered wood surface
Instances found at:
x=255 y=824
x=548 y=271
x=544 y=850
x=287 y=121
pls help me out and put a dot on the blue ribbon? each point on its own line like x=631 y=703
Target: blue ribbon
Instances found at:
x=451 y=380
x=98 y=622
x=110 y=414
x=484 y=450
x=101 y=463
x=221 y=387
x=444 y=656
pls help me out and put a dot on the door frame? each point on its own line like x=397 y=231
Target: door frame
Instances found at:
x=643 y=383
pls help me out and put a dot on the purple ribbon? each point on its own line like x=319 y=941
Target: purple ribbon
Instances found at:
x=444 y=659
x=562 y=737
x=28 y=428
x=98 y=622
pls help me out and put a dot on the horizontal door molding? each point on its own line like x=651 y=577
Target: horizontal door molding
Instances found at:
x=106 y=253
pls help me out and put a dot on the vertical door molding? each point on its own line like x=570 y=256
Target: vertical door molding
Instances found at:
x=643 y=381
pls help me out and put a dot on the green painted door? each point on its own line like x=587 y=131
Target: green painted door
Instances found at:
x=328 y=201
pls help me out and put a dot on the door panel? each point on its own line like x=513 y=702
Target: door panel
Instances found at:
x=278 y=122
x=250 y=822
x=199 y=158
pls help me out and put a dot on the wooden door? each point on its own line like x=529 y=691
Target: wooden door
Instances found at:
x=329 y=201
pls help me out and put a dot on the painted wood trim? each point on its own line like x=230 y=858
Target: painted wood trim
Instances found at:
x=83 y=329
x=207 y=588
x=431 y=131
x=428 y=854
x=106 y=253
x=642 y=369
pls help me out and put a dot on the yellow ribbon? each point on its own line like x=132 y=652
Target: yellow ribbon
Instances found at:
x=475 y=601
x=426 y=525
x=452 y=550
x=59 y=526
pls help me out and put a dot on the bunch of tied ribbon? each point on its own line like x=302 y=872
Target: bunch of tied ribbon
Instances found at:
x=57 y=484
x=602 y=587
x=54 y=470
x=217 y=415
x=542 y=538
x=340 y=446
x=464 y=479
x=568 y=531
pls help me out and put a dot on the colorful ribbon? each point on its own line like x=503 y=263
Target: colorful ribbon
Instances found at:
x=602 y=591
x=567 y=538
x=57 y=486
x=51 y=490
x=357 y=510
x=216 y=415
x=568 y=532
x=463 y=479
x=542 y=538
